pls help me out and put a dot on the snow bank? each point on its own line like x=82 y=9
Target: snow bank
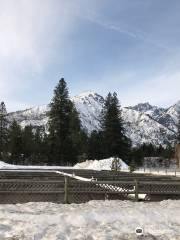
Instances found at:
x=96 y=220
x=7 y=166
x=4 y=165
x=104 y=164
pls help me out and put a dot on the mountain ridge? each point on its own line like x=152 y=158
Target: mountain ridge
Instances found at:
x=144 y=123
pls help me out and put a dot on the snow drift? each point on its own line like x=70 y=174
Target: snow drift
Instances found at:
x=95 y=220
x=7 y=166
x=104 y=164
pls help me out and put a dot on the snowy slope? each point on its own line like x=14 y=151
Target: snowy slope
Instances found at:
x=167 y=117
x=95 y=220
x=143 y=123
x=36 y=116
x=89 y=105
x=141 y=128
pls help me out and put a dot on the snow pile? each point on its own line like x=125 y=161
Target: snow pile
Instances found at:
x=102 y=220
x=104 y=164
x=5 y=165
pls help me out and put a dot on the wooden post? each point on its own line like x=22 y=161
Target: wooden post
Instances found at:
x=136 y=190
x=66 y=189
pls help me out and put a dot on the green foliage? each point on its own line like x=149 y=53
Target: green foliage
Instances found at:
x=64 y=128
x=178 y=128
x=40 y=146
x=167 y=152
x=66 y=142
x=115 y=141
x=28 y=144
x=148 y=150
x=3 y=131
x=15 y=143
x=137 y=154
x=95 y=145
x=132 y=166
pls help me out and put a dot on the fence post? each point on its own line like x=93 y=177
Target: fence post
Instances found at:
x=136 y=190
x=66 y=190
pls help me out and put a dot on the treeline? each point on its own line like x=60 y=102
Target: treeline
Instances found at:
x=65 y=142
x=149 y=150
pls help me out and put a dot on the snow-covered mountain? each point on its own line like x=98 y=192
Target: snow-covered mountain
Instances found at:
x=143 y=123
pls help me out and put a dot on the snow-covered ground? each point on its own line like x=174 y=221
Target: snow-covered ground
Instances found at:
x=104 y=164
x=95 y=220
x=4 y=165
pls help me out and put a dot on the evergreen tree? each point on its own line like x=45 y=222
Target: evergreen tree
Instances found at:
x=28 y=144
x=168 y=152
x=37 y=146
x=159 y=151
x=149 y=150
x=3 y=130
x=44 y=147
x=64 y=127
x=95 y=145
x=77 y=136
x=15 y=143
x=137 y=156
x=115 y=141
x=83 y=146
x=178 y=127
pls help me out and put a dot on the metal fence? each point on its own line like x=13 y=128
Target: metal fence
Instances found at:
x=77 y=186
x=172 y=171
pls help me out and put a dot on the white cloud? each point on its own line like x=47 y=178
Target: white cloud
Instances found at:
x=30 y=33
x=29 y=30
x=161 y=90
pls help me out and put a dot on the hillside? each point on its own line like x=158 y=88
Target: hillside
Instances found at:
x=144 y=123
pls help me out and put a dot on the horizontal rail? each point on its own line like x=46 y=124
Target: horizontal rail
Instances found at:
x=67 y=185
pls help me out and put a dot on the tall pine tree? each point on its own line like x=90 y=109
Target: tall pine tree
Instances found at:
x=3 y=130
x=28 y=144
x=115 y=141
x=64 y=127
x=95 y=145
x=178 y=127
x=15 y=143
x=40 y=149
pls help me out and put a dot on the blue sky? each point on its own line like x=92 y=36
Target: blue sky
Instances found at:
x=128 y=46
